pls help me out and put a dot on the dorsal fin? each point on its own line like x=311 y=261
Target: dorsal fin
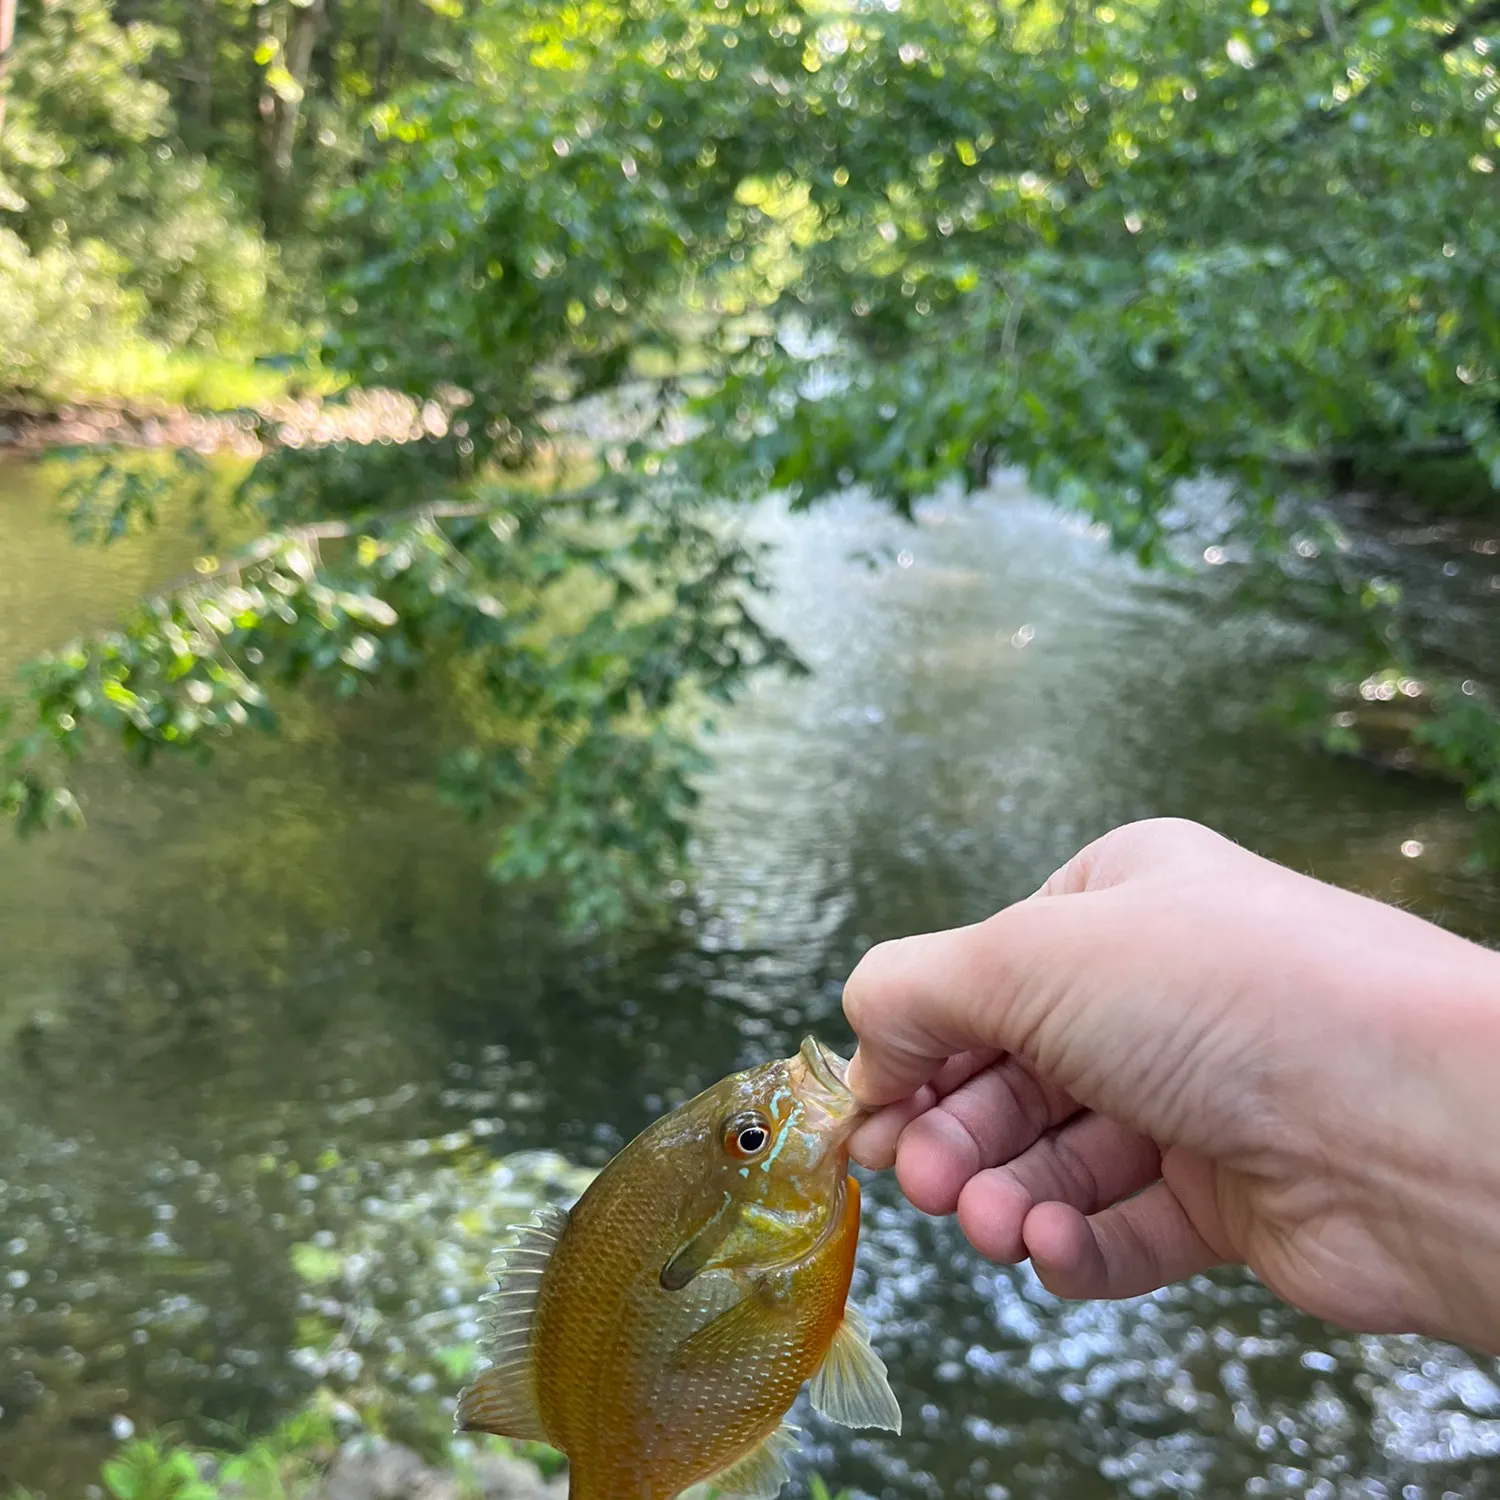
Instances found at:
x=759 y=1475
x=851 y=1385
x=503 y=1399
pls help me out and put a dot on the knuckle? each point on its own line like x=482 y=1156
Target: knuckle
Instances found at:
x=1029 y=1095
x=1132 y=848
x=1161 y=833
x=1075 y=1176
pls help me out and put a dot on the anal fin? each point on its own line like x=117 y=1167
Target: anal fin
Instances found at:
x=851 y=1385
x=502 y=1400
x=759 y=1475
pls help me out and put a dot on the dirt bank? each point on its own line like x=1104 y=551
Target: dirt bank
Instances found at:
x=364 y=416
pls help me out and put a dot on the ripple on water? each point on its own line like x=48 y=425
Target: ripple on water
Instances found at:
x=238 y=1010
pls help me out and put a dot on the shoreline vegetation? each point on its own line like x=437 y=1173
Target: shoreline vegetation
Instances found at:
x=387 y=1264
x=326 y=1452
x=1123 y=249
x=252 y=407
x=305 y=1459
x=295 y=407
x=378 y=1422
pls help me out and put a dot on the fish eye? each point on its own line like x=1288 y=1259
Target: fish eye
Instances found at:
x=746 y=1136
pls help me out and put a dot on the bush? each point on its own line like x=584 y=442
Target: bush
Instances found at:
x=112 y=230
x=202 y=274
x=58 y=305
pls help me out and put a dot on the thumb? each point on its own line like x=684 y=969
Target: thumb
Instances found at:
x=915 y=1002
x=1074 y=972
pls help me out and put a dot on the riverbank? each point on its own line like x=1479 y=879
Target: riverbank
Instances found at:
x=389 y=1471
x=297 y=421
x=305 y=1459
x=305 y=1462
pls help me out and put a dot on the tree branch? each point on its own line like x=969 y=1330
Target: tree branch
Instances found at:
x=325 y=531
x=1465 y=30
x=7 y=39
x=1323 y=459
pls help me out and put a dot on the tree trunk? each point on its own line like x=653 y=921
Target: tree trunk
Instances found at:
x=7 y=36
x=326 y=54
x=390 y=37
x=265 y=113
x=281 y=108
x=202 y=41
x=306 y=23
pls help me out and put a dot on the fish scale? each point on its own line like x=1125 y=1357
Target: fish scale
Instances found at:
x=692 y=1291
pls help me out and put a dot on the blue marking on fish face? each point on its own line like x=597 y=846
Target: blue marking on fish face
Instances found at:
x=782 y=1136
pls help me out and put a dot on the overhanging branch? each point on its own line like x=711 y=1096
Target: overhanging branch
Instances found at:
x=314 y=532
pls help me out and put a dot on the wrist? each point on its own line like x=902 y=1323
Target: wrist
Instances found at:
x=1442 y=1148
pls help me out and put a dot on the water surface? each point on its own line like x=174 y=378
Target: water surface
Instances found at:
x=291 y=958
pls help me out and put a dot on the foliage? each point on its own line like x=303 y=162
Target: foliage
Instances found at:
x=153 y=1468
x=287 y=1463
x=759 y=245
x=817 y=1490
x=278 y=88
x=57 y=303
x=583 y=617
x=94 y=368
x=166 y=167
x=92 y=185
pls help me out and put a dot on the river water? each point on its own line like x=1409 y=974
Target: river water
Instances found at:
x=291 y=957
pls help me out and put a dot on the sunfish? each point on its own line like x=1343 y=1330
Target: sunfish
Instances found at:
x=658 y=1333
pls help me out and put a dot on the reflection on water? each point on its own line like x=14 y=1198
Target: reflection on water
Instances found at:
x=242 y=982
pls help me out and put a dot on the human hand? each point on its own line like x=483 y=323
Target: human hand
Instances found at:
x=1178 y=1054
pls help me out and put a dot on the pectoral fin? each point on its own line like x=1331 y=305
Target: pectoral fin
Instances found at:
x=760 y=1474
x=851 y=1385
x=697 y=1255
x=503 y=1400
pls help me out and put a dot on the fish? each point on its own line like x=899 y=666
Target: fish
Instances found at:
x=658 y=1332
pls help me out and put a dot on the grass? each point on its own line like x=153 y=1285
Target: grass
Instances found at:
x=140 y=373
x=289 y=1463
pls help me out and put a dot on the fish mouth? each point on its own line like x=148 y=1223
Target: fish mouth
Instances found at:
x=825 y=1066
x=823 y=1086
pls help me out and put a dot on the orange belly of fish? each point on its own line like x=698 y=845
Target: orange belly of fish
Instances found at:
x=642 y=1407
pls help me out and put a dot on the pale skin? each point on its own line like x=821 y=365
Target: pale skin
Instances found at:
x=1178 y=1055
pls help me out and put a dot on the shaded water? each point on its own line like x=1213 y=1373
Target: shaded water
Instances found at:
x=238 y=977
